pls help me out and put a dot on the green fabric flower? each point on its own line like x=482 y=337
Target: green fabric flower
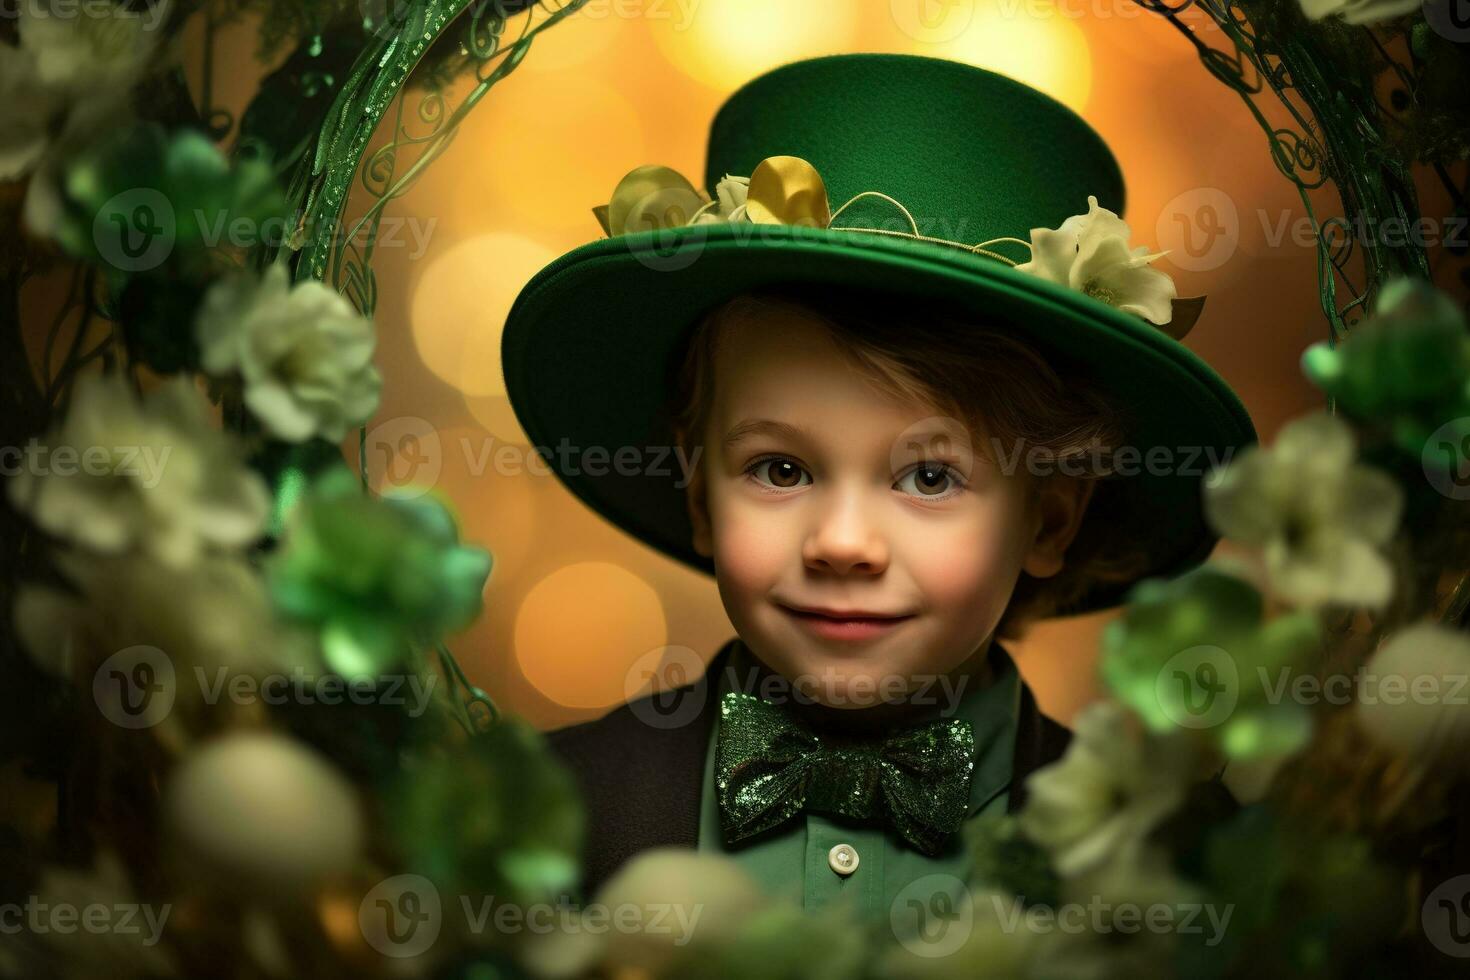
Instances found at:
x=498 y=815
x=375 y=575
x=782 y=942
x=1305 y=903
x=1007 y=860
x=1406 y=367
x=1192 y=652
x=141 y=196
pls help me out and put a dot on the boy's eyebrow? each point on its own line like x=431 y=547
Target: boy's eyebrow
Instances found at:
x=756 y=427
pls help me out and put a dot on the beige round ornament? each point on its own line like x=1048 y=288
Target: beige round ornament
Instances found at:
x=670 y=902
x=264 y=810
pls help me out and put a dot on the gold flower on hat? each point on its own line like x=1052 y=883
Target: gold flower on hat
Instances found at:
x=1089 y=252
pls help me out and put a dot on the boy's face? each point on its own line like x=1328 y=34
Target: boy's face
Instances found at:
x=810 y=497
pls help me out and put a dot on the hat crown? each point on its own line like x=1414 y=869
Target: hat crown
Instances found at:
x=971 y=154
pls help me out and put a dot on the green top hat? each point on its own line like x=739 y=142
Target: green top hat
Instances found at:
x=591 y=344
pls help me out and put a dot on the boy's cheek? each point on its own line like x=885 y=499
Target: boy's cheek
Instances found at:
x=959 y=564
x=748 y=555
x=750 y=544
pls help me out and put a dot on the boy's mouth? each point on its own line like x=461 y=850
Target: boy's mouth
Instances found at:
x=845 y=624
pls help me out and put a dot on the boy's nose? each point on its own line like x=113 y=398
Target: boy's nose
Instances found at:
x=845 y=540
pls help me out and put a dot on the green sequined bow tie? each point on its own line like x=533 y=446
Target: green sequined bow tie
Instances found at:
x=769 y=767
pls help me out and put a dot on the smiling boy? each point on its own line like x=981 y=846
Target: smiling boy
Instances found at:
x=857 y=530
x=866 y=400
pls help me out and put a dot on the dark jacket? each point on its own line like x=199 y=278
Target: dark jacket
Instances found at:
x=641 y=780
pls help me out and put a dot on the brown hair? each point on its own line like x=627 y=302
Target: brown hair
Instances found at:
x=974 y=371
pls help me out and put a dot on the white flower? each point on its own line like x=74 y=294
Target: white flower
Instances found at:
x=1113 y=786
x=26 y=115
x=70 y=78
x=1411 y=698
x=1319 y=515
x=1089 y=253
x=731 y=193
x=84 y=52
x=124 y=951
x=306 y=356
x=85 y=123
x=118 y=475
x=1359 y=11
x=213 y=614
x=1117 y=895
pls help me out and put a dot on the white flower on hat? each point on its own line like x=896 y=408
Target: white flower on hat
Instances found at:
x=306 y=356
x=1319 y=515
x=1090 y=253
x=1359 y=11
x=731 y=193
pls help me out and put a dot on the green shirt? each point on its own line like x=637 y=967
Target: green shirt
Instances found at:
x=793 y=861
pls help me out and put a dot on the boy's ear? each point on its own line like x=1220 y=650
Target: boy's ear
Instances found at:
x=1060 y=504
x=696 y=500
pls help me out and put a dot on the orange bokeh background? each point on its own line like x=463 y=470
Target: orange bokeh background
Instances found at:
x=573 y=604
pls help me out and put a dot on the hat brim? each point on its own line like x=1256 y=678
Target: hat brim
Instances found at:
x=589 y=346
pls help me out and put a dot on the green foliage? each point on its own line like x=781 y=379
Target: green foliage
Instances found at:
x=1006 y=858
x=1405 y=370
x=375 y=576
x=141 y=196
x=1305 y=904
x=1205 y=629
x=496 y=815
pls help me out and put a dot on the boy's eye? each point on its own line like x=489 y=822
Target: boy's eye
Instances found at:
x=930 y=480
x=935 y=481
x=783 y=474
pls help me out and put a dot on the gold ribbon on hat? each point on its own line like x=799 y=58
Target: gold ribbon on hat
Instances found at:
x=787 y=190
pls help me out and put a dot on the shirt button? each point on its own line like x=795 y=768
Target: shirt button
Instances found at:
x=843 y=858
